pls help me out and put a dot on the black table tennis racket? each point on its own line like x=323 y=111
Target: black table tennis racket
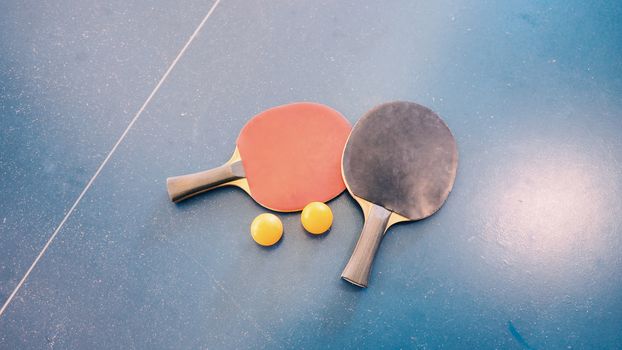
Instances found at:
x=399 y=164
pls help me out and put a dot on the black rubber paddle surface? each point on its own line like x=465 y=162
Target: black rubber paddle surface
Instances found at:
x=403 y=157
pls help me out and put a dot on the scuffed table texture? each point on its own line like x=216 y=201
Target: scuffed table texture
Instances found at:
x=525 y=253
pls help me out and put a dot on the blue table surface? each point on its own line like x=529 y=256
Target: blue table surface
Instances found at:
x=525 y=254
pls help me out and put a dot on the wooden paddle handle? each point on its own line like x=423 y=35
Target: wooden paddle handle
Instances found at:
x=186 y=186
x=359 y=266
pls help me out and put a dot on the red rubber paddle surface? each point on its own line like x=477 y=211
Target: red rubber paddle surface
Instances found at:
x=292 y=155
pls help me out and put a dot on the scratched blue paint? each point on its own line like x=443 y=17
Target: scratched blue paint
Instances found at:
x=531 y=231
x=519 y=338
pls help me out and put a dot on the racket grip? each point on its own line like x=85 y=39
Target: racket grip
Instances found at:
x=186 y=186
x=358 y=268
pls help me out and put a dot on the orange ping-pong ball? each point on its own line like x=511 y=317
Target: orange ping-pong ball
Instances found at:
x=266 y=229
x=316 y=218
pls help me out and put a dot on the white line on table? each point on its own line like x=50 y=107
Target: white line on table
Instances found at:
x=103 y=164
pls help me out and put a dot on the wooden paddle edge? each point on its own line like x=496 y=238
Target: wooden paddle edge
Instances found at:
x=366 y=207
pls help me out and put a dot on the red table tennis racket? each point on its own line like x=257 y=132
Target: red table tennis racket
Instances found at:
x=285 y=158
x=399 y=163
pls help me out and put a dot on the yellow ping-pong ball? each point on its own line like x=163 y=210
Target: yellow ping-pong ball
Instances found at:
x=266 y=229
x=316 y=218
